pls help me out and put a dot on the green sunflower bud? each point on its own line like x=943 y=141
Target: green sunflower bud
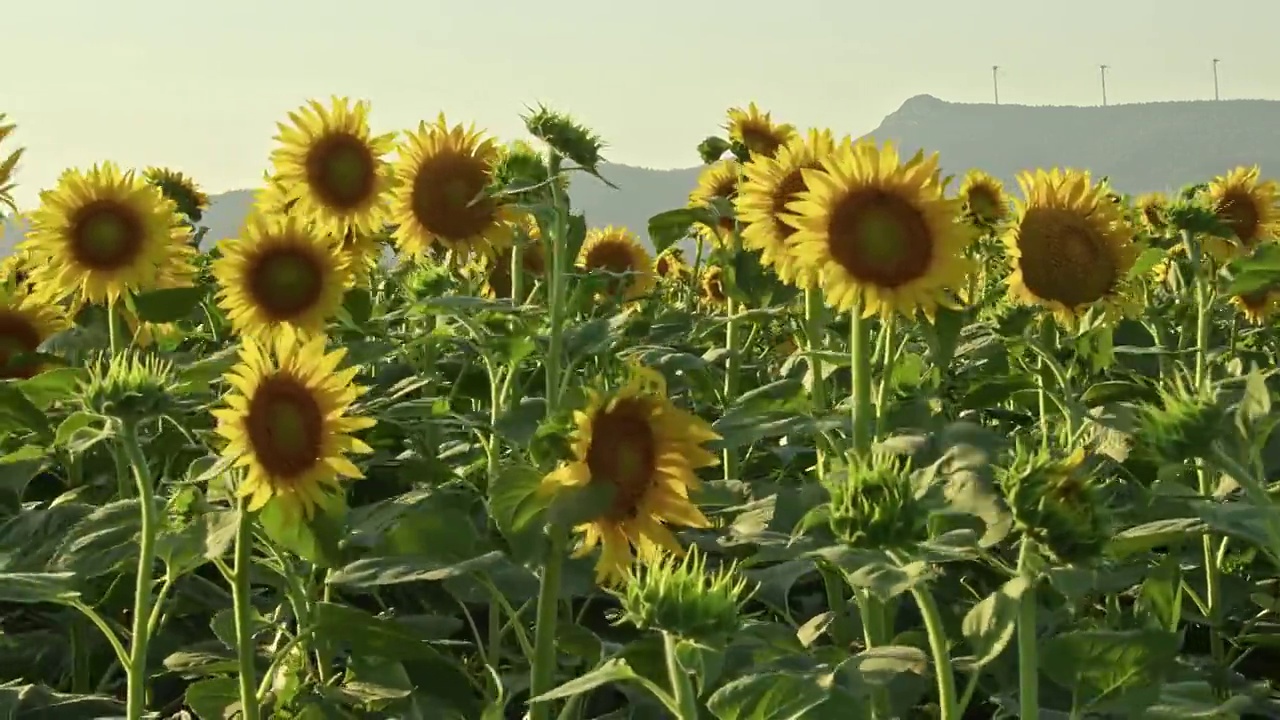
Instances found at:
x=523 y=166
x=565 y=136
x=1193 y=216
x=712 y=149
x=1056 y=502
x=129 y=386
x=875 y=504
x=679 y=596
x=1184 y=423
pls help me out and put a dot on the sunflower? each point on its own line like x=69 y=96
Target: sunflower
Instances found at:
x=288 y=422
x=15 y=272
x=533 y=260
x=711 y=286
x=104 y=233
x=330 y=163
x=179 y=188
x=618 y=251
x=984 y=198
x=647 y=449
x=1258 y=306
x=757 y=132
x=1069 y=245
x=362 y=252
x=1151 y=209
x=670 y=264
x=442 y=196
x=280 y=270
x=771 y=184
x=272 y=198
x=26 y=321
x=718 y=180
x=877 y=233
x=1248 y=206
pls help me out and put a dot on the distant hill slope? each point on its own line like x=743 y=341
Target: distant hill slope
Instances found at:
x=1145 y=147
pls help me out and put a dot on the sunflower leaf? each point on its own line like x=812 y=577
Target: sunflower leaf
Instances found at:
x=168 y=304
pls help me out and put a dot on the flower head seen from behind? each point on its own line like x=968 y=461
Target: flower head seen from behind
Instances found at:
x=288 y=422
x=280 y=272
x=104 y=232
x=442 y=195
x=617 y=251
x=879 y=233
x=179 y=188
x=330 y=163
x=647 y=450
x=1069 y=246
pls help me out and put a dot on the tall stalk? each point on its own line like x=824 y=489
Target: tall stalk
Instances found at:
x=1028 y=653
x=136 y=697
x=863 y=408
x=733 y=361
x=240 y=590
x=681 y=687
x=542 y=671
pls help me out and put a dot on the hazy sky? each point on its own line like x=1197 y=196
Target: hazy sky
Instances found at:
x=159 y=82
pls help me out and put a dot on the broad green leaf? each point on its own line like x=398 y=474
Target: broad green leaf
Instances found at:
x=576 y=505
x=1112 y=391
x=1110 y=670
x=38 y=701
x=102 y=543
x=52 y=386
x=212 y=698
x=769 y=696
x=19 y=467
x=1161 y=594
x=315 y=538
x=18 y=413
x=1147 y=261
x=608 y=673
x=514 y=501
x=520 y=423
x=379 y=571
x=342 y=627
x=989 y=625
x=52 y=587
x=359 y=305
x=169 y=304
x=668 y=228
x=887 y=581
x=1158 y=533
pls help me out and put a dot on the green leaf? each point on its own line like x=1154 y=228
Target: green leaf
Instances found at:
x=1110 y=670
x=1195 y=700
x=1147 y=261
x=213 y=698
x=943 y=335
x=879 y=666
x=378 y=571
x=314 y=539
x=18 y=413
x=19 y=467
x=611 y=671
x=38 y=701
x=169 y=304
x=1148 y=536
x=359 y=305
x=573 y=506
x=769 y=696
x=341 y=626
x=989 y=625
x=103 y=542
x=887 y=581
x=520 y=423
x=668 y=228
x=514 y=501
x=1160 y=596
x=768 y=394
x=52 y=386
x=53 y=587
x=1112 y=391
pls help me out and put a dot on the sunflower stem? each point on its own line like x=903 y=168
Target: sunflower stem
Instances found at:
x=733 y=361
x=240 y=607
x=1212 y=570
x=814 y=315
x=542 y=671
x=886 y=368
x=1028 y=657
x=948 y=706
x=1048 y=337
x=863 y=412
x=681 y=687
x=875 y=633
x=136 y=697
x=112 y=326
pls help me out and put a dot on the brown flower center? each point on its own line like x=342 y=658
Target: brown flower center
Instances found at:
x=623 y=453
x=106 y=235
x=285 y=426
x=18 y=337
x=342 y=171
x=760 y=138
x=1238 y=211
x=1065 y=258
x=446 y=196
x=880 y=238
x=285 y=281
x=985 y=203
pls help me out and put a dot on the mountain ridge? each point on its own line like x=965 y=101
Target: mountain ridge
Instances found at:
x=1140 y=147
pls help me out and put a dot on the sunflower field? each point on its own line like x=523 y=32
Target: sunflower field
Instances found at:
x=844 y=438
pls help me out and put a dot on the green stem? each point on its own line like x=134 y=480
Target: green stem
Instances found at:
x=1048 y=336
x=947 y=703
x=875 y=634
x=733 y=362
x=542 y=672
x=681 y=687
x=136 y=698
x=1028 y=657
x=240 y=590
x=833 y=580
x=860 y=356
x=814 y=314
x=1212 y=571
x=886 y=367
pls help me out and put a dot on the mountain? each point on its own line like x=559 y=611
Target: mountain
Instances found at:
x=1140 y=147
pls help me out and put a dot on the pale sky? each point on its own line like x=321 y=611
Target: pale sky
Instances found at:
x=200 y=90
